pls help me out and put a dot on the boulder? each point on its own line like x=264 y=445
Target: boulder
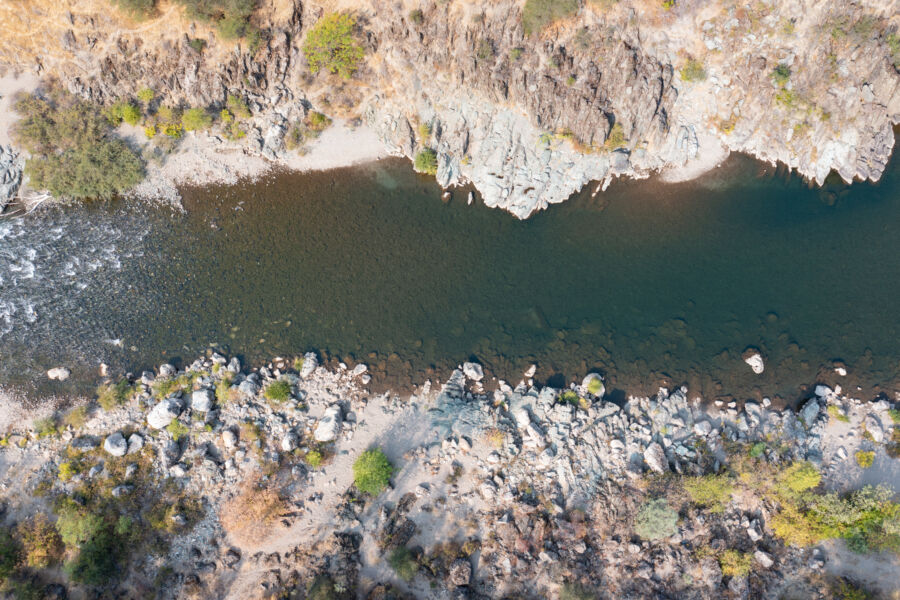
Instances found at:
x=59 y=373
x=655 y=457
x=116 y=444
x=593 y=384
x=823 y=391
x=167 y=370
x=310 y=362
x=165 y=412
x=289 y=441
x=702 y=428
x=329 y=425
x=229 y=438
x=202 y=400
x=764 y=560
x=810 y=412
x=753 y=358
x=523 y=419
x=473 y=371
x=358 y=370
x=248 y=388
x=135 y=443
x=873 y=426
x=460 y=573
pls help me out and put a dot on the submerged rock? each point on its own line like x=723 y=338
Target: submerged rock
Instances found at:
x=753 y=358
x=59 y=373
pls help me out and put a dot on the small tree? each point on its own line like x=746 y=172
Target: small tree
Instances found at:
x=372 y=471
x=331 y=46
x=426 y=161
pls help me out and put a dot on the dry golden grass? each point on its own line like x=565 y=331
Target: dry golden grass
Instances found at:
x=249 y=516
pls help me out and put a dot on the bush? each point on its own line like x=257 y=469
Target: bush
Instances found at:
x=177 y=429
x=757 y=449
x=416 y=16
x=894 y=413
x=710 y=491
x=238 y=106
x=76 y=417
x=372 y=471
x=9 y=554
x=313 y=458
x=195 y=119
x=331 y=46
x=45 y=427
x=797 y=478
x=123 y=110
x=230 y=17
x=250 y=514
x=42 y=544
x=616 y=138
x=734 y=563
x=139 y=9
x=73 y=150
x=781 y=74
x=109 y=396
x=404 y=563
x=537 y=14
x=146 y=95
x=278 y=391
x=693 y=71
x=317 y=121
x=655 y=520
x=864 y=458
x=426 y=162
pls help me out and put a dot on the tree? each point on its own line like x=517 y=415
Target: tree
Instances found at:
x=331 y=46
x=372 y=471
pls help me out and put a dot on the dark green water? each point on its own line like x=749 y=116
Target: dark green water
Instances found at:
x=646 y=282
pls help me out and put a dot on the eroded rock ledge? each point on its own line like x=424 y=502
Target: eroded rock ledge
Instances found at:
x=527 y=120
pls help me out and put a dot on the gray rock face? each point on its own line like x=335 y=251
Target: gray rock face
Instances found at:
x=116 y=444
x=329 y=425
x=473 y=371
x=655 y=457
x=289 y=441
x=202 y=400
x=164 y=413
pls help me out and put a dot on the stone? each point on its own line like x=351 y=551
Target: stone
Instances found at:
x=358 y=370
x=823 y=391
x=810 y=412
x=135 y=443
x=59 y=373
x=841 y=453
x=165 y=412
x=841 y=371
x=655 y=457
x=473 y=371
x=289 y=441
x=229 y=439
x=523 y=419
x=116 y=444
x=202 y=400
x=310 y=362
x=753 y=358
x=702 y=428
x=121 y=490
x=530 y=371
x=248 y=388
x=873 y=426
x=166 y=370
x=589 y=381
x=460 y=573
x=765 y=560
x=329 y=425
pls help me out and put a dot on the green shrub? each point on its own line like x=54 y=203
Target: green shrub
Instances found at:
x=314 y=458
x=372 y=471
x=317 y=121
x=710 y=491
x=69 y=469
x=734 y=563
x=109 y=396
x=198 y=44
x=41 y=543
x=757 y=449
x=693 y=71
x=9 y=554
x=894 y=413
x=864 y=458
x=139 y=9
x=123 y=110
x=195 y=119
x=797 y=478
x=146 y=95
x=416 y=16
x=223 y=389
x=238 y=106
x=655 y=520
x=230 y=17
x=76 y=417
x=485 y=50
x=616 y=138
x=835 y=413
x=426 y=161
x=537 y=14
x=177 y=429
x=781 y=74
x=45 y=427
x=404 y=563
x=331 y=46
x=515 y=54
x=575 y=591
x=278 y=391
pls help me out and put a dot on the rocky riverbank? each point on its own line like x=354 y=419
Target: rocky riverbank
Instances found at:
x=233 y=484
x=614 y=89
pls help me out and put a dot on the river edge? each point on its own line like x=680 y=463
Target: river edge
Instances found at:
x=580 y=456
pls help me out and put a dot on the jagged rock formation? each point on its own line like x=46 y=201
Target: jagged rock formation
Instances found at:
x=528 y=120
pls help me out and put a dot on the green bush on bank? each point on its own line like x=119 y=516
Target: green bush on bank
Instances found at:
x=426 y=161
x=74 y=152
x=331 y=46
x=372 y=471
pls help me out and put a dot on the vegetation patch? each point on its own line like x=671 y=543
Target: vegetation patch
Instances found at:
x=41 y=543
x=426 y=161
x=538 y=14
x=332 y=46
x=111 y=395
x=616 y=138
x=74 y=152
x=865 y=458
x=196 y=119
x=404 y=563
x=230 y=17
x=372 y=471
x=712 y=492
x=138 y=9
x=655 y=520
x=693 y=71
x=250 y=515
x=278 y=391
x=734 y=563
x=836 y=413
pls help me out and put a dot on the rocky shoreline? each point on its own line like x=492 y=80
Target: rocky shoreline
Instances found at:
x=520 y=492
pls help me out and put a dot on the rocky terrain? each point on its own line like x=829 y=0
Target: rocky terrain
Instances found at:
x=234 y=484
x=616 y=88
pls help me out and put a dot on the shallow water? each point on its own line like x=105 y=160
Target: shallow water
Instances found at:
x=646 y=282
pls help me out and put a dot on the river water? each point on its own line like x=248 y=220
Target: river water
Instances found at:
x=648 y=283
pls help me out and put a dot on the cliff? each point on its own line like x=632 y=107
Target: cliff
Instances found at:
x=615 y=88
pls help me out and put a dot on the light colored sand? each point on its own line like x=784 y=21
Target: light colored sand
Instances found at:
x=711 y=154
x=10 y=85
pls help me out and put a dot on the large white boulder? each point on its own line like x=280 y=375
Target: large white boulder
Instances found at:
x=473 y=371
x=329 y=425
x=310 y=362
x=202 y=400
x=755 y=360
x=59 y=373
x=116 y=444
x=164 y=413
x=655 y=457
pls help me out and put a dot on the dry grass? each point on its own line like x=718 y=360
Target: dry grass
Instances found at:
x=249 y=516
